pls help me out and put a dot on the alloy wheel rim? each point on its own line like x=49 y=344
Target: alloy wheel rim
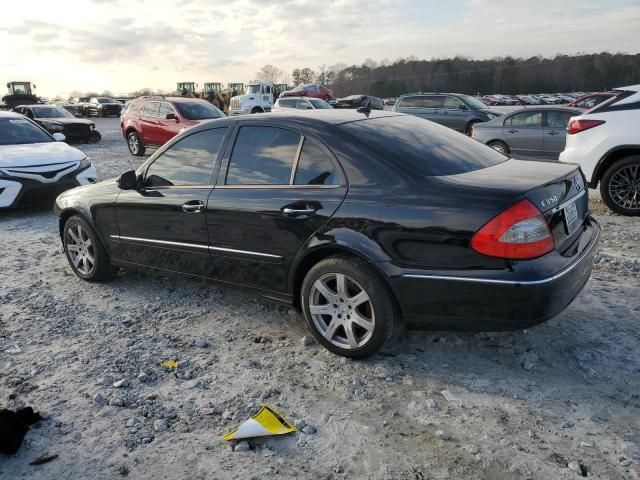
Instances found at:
x=80 y=250
x=498 y=148
x=133 y=143
x=341 y=311
x=624 y=187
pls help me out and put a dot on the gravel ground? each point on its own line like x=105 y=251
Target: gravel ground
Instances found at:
x=561 y=400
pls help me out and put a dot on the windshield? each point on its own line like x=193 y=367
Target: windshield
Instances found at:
x=472 y=102
x=106 y=100
x=198 y=110
x=50 y=112
x=319 y=103
x=422 y=147
x=17 y=131
x=253 y=89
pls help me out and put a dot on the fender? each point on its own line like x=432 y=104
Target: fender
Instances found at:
x=600 y=167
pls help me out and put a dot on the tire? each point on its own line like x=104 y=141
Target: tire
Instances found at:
x=620 y=186
x=95 y=136
x=257 y=110
x=134 y=142
x=336 y=330
x=469 y=127
x=499 y=146
x=86 y=256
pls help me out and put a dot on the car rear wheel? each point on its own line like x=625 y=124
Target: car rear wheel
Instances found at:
x=469 y=130
x=499 y=146
x=348 y=307
x=620 y=186
x=86 y=255
x=135 y=144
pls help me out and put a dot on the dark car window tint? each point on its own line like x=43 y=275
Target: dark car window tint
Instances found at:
x=526 y=119
x=187 y=162
x=423 y=148
x=262 y=156
x=198 y=110
x=433 y=101
x=16 y=131
x=558 y=119
x=314 y=166
x=150 y=109
x=411 y=102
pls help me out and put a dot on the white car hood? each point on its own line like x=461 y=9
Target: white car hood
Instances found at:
x=32 y=154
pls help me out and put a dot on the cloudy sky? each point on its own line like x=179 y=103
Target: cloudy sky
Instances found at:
x=124 y=45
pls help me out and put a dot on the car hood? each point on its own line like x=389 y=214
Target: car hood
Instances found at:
x=491 y=111
x=38 y=154
x=66 y=120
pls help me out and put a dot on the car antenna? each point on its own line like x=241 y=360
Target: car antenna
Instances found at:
x=366 y=108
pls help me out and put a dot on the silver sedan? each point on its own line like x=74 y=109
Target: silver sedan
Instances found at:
x=534 y=133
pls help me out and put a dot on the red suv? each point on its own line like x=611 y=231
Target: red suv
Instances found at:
x=153 y=121
x=591 y=100
x=310 y=90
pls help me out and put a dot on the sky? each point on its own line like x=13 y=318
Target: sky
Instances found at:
x=124 y=45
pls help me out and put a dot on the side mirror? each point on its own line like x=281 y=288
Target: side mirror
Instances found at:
x=128 y=180
x=59 y=137
x=171 y=116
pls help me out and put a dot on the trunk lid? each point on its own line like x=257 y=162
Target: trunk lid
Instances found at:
x=557 y=190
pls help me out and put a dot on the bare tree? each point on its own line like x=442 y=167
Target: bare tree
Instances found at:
x=269 y=73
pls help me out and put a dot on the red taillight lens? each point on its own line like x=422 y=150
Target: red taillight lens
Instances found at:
x=580 y=125
x=518 y=233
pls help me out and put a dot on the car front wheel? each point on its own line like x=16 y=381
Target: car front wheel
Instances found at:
x=86 y=255
x=620 y=186
x=135 y=144
x=499 y=146
x=348 y=307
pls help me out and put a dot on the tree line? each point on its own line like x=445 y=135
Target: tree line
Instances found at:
x=506 y=75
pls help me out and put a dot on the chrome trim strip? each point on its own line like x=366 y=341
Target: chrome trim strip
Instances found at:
x=161 y=242
x=269 y=186
x=557 y=208
x=524 y=283
x=246 y=252
x=195 y=245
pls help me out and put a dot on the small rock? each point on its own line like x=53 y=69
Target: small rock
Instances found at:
x=171 y=414
x=116 y=402
x=443 y=435
x=201 y=342
x=626 y=463
x=472 y=449
x=586 y=444
x=143 y=377
x=309 y=430
x=575 y=467
x=299 y=424
x=121 y=383
x=161 y=425
x=308 y=340
x=242 y=447
x=99 y=399
x=528 y=360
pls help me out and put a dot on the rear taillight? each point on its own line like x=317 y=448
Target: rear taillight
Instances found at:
x=580 y=125
x=518 y=233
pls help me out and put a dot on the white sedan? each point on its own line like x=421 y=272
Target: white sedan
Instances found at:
x=35 y=165
x=298 y=103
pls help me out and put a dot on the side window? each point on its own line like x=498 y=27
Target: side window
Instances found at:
x=526 y=119
x=29 y=113
x=558 y=119
x=314 y=166
x=411 y=102
x=453 y=103
x=433 y=101
x=164 y=109
x=150 y=109
x=303 y=105
x=262 y=156
x=287 y=103
x=187 y=162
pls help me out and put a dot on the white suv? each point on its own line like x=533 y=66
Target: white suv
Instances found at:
x=605 y=142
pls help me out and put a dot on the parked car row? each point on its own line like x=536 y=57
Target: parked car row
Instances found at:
x=574 y=99
x=56 y=119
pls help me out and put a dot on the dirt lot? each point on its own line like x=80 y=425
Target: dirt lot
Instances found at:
x=558 y=401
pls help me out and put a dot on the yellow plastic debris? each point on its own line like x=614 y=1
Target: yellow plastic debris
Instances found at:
x=264 y=423
x=169 y=363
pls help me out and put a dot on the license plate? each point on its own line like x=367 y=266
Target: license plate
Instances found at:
x=571 y=219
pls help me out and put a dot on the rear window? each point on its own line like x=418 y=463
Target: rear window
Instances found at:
x=422 y=147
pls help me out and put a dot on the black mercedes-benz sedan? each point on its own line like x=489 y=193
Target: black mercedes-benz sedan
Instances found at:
x=56 y=119
x=363 y=219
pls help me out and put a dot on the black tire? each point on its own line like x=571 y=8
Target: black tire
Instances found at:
x=622 y=173
x=94 y=136
x=92 y=271
x=257 y=110
x=380 y=307
x=134 y=139
x=499 y=146
x=469 y=128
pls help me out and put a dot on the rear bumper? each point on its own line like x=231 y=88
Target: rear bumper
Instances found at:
x=529 y=294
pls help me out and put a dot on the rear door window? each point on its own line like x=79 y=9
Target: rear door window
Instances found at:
x=314 y=166
x=287 y=103
x=411 y=102
x=422 y=148
x=558 y=119
x=262 y=156
x=525 y=120
x=433 y=101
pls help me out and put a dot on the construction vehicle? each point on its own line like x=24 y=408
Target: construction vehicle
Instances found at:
x=213 y=93
x=280 y=87
x=258 y=98
x=235 y=89
x=20 y=93
x=187 y=89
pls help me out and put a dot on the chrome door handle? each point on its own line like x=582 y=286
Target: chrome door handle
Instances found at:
x=513 y=130
x=294 y=212
x=193 y=207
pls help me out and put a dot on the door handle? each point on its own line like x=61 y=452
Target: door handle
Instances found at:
x=297 y=212
x=193 y=207
x=552 y=132
x=513 y=130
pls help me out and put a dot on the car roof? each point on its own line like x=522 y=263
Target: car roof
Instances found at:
x=10 y=115
x=436 y=93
